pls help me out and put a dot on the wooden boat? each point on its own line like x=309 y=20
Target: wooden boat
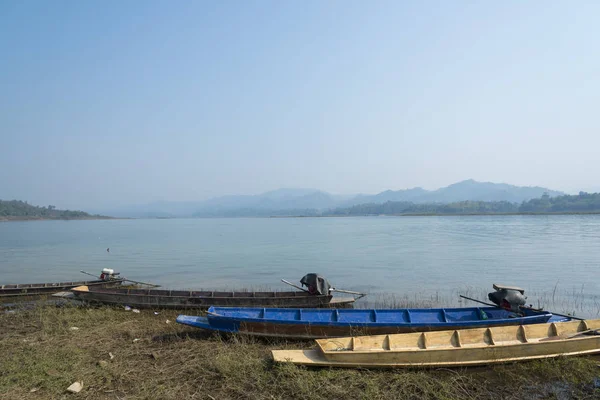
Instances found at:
x=180 y=299
x=452 y=348
x=12 y=292
x=302 y=323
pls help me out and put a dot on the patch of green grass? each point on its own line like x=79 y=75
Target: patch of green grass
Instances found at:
x=40 y=350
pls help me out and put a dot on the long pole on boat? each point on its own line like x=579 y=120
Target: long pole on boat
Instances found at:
x=479 y=301
x=331 y=289
x=554 y=313
x=297 y=287
x=125 y=279
x=524 y=308
x=360 y=295
x=141 y=283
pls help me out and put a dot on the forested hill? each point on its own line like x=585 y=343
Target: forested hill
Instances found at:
x=313 y=202
x=581 y=203
x=21 y=210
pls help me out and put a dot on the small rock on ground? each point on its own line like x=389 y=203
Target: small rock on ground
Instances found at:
x=75 y=387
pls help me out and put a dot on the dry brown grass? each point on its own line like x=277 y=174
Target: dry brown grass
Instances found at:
x=39 y=351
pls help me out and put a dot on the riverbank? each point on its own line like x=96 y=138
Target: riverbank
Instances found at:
x=120 y=354
x=38 y=218
x=435 y=214
x=490 y=214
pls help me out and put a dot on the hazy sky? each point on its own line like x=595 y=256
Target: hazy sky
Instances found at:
x=105 y=103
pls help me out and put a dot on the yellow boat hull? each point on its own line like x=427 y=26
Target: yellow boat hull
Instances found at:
x=457 y=348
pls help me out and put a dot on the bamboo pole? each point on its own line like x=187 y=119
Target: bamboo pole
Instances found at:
x=125 y=279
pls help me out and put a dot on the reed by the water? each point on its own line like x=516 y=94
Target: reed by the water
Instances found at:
x=564 y=299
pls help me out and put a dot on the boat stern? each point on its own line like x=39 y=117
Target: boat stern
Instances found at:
x=196 y=322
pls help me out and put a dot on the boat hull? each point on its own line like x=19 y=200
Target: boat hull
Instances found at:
x=459 y=348
x=15 y=292
x=178 y=299
x=316 y=326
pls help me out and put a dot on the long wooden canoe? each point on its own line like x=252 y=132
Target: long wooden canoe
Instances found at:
x=452 y=348
x=13 y=292
x=182 y=299
x=304 y=323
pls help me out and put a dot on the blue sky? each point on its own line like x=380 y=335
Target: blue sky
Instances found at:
x=106 y=103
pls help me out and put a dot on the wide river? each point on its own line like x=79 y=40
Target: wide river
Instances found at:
x=555 y=258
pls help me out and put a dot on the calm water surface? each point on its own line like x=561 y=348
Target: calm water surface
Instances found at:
x=408 y=256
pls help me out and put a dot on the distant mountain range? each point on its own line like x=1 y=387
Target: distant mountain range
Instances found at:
x=313 y=201
x=462 y=191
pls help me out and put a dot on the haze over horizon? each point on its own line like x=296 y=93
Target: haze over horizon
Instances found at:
x=108 y=104
x=289 y=191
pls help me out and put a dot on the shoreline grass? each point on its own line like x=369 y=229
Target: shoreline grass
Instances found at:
x=43 y=353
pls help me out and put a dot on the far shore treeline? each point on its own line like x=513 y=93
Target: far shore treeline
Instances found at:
x=582 y=203
x=21 y=210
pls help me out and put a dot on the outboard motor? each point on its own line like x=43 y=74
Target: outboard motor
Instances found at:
x=109 y=274
x=316 y=284
x=508 y=297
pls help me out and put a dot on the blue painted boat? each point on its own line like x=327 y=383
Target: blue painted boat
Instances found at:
x=309 y=323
